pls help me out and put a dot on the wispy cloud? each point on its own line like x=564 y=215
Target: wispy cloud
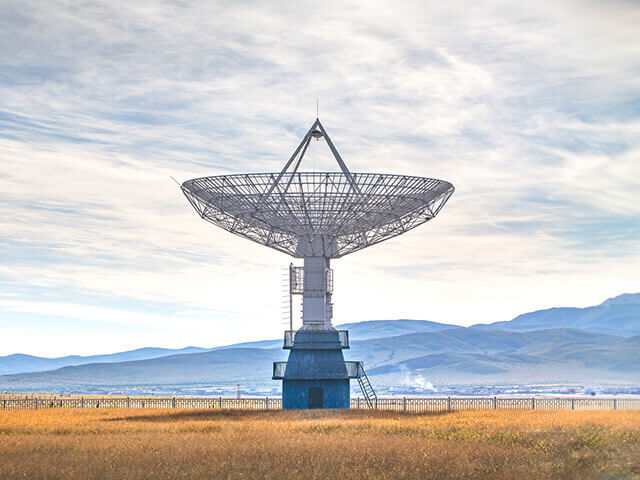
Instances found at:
x=533 y=112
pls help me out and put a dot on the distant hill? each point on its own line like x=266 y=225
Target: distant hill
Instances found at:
x=612 y=362
x=256 y=344
x=617 y=316
x=624 y=299
x=391 y=328
x=381 y=351
x=238 y=364
x=19 y=363
x=622 y=355
x=455 y=364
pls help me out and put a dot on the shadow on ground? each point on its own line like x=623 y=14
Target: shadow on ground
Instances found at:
x=242 y=415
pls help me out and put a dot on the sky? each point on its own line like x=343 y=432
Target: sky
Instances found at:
x=531 y=110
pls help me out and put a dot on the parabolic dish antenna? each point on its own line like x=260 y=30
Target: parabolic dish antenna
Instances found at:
x=327 y=214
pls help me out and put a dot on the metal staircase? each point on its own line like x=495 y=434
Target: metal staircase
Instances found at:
x=367 y=389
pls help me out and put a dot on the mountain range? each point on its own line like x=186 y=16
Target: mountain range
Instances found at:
x=583 y=345
x=618 y=316
x=19 y=362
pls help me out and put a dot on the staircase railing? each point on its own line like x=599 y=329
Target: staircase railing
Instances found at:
x=368 y=392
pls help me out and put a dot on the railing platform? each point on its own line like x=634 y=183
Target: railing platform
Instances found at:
x=320 y=340
x=315 y=370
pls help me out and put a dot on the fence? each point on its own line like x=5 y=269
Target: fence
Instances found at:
x=453 y=404
x=400 y=404
x=18 y=403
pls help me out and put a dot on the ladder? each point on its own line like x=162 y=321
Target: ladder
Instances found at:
x=285 y=307
x=367 y=389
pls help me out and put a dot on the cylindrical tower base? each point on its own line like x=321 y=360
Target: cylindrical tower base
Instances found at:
x=316 y=375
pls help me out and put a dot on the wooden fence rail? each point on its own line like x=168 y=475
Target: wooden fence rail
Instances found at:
x=406 y=404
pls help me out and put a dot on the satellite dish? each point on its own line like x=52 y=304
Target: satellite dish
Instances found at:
x=317 y=216
x=328 y=214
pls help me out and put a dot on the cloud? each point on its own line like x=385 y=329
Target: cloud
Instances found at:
x=533 y=112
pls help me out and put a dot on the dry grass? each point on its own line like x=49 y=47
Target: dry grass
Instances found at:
x=198 y=444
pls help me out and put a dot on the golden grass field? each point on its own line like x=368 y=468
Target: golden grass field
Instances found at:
x=200 y=444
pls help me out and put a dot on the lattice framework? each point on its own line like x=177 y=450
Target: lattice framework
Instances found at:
x=343 y=211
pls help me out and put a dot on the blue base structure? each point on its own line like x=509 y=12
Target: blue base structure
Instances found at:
x=316 y=374
x=301 y=394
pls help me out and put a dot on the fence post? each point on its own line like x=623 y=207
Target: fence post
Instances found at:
x=128 y=402
x=36 y=403
x=266 y=402
x=448 y=404
x=81 y=402
x=358 y=403
x=220 y=402
x=376 y=403
x=615 y=403
x=404 y=404
x=573 y=403
x=173 y=402
x=495 y=403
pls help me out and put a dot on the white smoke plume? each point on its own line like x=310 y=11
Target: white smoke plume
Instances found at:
x=417 y=382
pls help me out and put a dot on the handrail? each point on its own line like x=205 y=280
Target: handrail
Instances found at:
x=314 y=370
x=320 y=340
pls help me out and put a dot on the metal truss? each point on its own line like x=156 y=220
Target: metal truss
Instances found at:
x=343 y=212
